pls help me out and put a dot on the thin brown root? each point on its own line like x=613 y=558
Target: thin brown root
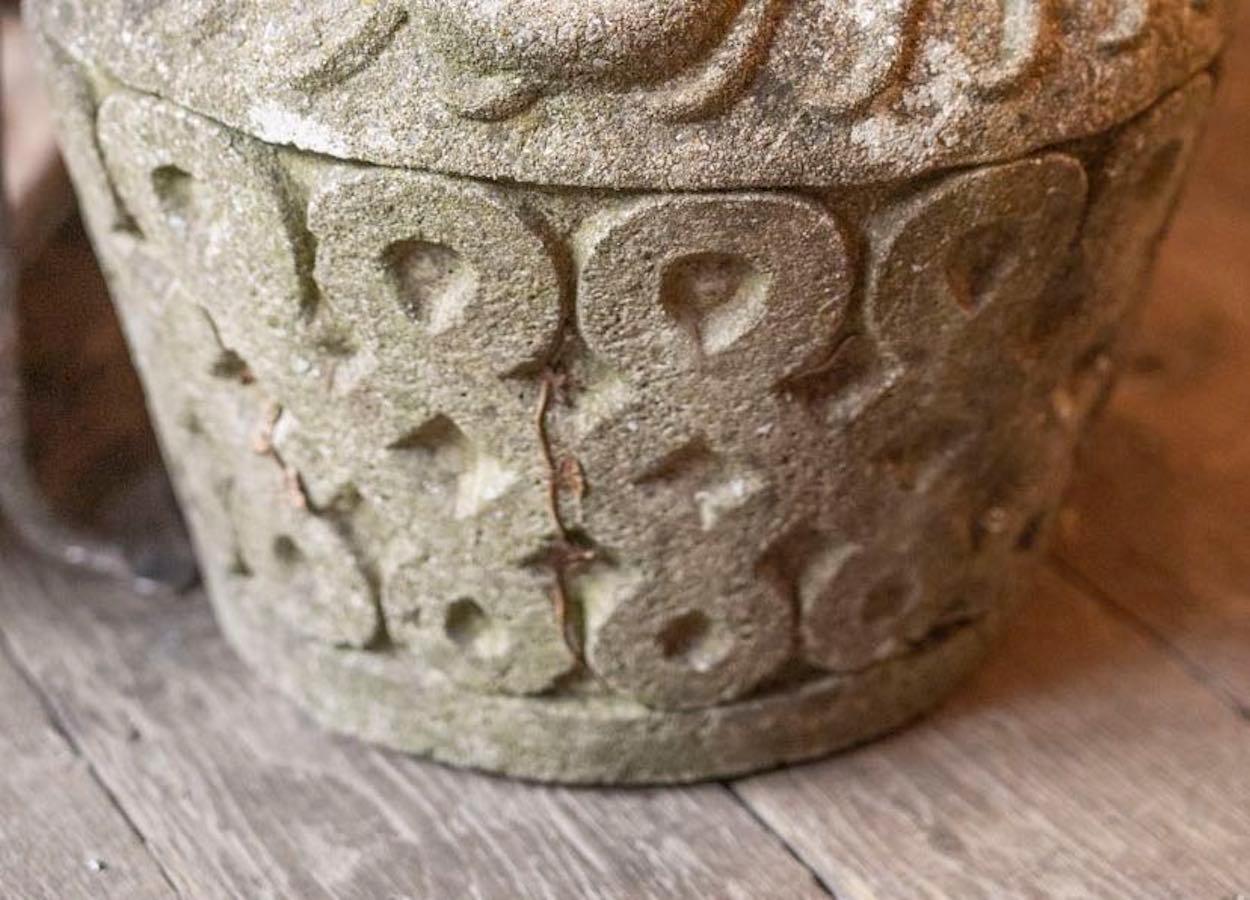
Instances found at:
x=564 y=554
x=263 y=445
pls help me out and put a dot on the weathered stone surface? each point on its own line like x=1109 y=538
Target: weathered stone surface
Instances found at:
x=661 y=93
x=577 y=482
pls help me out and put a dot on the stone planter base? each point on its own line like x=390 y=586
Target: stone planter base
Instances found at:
x=582 y=739
x=603 y=481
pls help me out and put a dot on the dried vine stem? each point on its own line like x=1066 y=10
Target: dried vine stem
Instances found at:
x=564 y=553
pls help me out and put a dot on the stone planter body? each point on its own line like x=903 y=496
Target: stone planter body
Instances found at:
x=608 y=391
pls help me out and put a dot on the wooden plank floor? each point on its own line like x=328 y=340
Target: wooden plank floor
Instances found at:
x=238 y=795
x=1103 y=752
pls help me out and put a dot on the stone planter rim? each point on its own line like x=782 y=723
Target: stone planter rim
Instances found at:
x=368 y=82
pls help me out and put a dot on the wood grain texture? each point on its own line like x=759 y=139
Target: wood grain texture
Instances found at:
x=60 y=834
x=1159 y=521
x=241 y=796
x=1081 y=762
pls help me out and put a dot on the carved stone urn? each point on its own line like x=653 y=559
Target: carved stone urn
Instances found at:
x=624 y=390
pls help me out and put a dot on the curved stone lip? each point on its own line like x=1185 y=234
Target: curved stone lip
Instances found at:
x=380 y=699
x=904 y=93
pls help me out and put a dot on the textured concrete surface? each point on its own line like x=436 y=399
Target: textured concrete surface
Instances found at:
x=581 y=483
x=657 y=93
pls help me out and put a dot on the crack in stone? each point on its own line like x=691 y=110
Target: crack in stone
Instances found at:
x=563 y=554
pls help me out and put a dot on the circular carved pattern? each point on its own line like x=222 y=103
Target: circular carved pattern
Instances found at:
x=215 y=202
x=491 y=631
x=383 y=237
x=784 y=274
x=297 y=563
x=854 y=600
x=677 y=640
x=701 y=306
x=456 y=298
x=1142 y=176
x=958 y=273
x=678 y=461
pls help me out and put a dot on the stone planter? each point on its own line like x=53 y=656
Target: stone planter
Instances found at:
x=605 y=391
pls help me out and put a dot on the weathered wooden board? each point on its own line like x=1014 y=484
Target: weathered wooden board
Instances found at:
x=1082 y=762
x=239 y=795
x=60 y=834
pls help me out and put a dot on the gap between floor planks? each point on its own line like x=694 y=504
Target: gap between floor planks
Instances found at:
x=61 y=834
x=1082 y=761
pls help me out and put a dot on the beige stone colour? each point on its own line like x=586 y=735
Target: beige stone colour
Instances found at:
x=624 y=390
